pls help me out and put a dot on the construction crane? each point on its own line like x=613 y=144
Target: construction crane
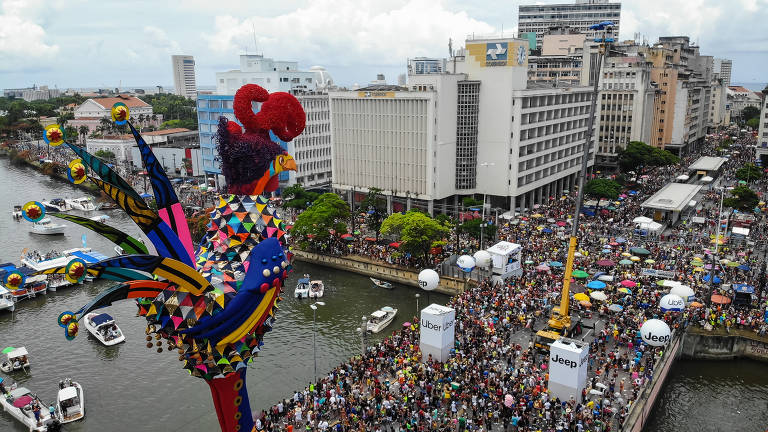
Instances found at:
x=560 y=323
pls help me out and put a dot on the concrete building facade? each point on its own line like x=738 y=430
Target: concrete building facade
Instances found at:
x=722 y=67
x=312 y=149
x=481 y=130
x=273 y=75
x=762 y=133
x=184 y=75
x=580 y=16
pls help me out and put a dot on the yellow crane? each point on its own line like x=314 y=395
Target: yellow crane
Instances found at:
x=559 y=323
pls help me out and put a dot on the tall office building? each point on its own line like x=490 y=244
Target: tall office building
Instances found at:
x=762 y=135
x=273 y=75
x=722 y=67
x=580 y=16
x=480 y=130
x=184 y=75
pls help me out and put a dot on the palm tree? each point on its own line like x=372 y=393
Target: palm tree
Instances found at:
x=141 y=120
x=83 y=130
x=105 y=125
x=154 y=119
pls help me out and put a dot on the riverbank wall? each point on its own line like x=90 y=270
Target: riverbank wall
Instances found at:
x=367 y=267
x=85 y=186
x=695 y=344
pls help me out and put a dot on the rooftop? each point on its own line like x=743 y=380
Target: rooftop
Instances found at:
x=672 y=197
x=129 y=101
x=707 y=163
x=383 y=87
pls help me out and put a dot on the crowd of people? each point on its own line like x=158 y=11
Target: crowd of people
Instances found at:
x=495 y=378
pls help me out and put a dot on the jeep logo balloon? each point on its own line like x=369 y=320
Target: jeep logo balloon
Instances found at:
x=655 y=332
x=672 y=303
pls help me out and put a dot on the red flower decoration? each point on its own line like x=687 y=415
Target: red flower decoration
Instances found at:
x=33 y=212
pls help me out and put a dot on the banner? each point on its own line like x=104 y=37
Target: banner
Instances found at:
x=437 y=331
x=568 y=363
x=666 y=274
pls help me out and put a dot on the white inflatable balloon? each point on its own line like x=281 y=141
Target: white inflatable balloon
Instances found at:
x=428 y=279
x=672 y=303
x=683 y=291
x=466 y=263
x=482 y=258
x=655 y=332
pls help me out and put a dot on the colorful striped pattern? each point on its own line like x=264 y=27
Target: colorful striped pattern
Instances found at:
x=128 y=290
x=175 y=271
x=129 y=244
x=104 y=172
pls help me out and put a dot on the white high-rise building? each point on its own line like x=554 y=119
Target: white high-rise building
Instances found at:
x=184 y=75
x=273 y=75
x=480 y=130
x=722 y=67
x=579 y=16
x=762 y=135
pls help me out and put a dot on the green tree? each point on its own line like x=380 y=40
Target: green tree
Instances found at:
x=603 y=188
x=472 y=227
x=744 y=198
x=417 y=232
x=639 y=155
x=328 y=212
x=297 y=197
x=749 y=172
x=375 y=208
x=105 y=155
x=750 y=112
x=471 y=202
x=754 y=123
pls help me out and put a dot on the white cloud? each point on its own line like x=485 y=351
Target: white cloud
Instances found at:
x=22 y=39
x=158 y=39
x=348 y=32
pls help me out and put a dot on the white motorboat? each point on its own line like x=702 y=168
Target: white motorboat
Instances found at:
x=99 y=218
x=82 y=204
x=103 y=327
x=16 y=213
x=17 y=359
x=56 y=205
x=381 y=319
x=21 y=404
x=316 y=289
x=70 y=402
x=302 y=288
x=381 y=284
x=39 y=262
x=6 y=300
x=46 y=227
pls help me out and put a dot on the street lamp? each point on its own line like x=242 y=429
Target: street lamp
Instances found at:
x=717 y=246
x=314 y=332
x=363 y=331
x=417 y=304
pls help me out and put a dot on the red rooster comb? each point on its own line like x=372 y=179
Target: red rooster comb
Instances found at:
x=280 y=112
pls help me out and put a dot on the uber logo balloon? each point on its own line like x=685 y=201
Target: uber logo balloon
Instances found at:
x=655 y=332
x=428 y=279
x=466 y=263
x=672 y=303
x=482 y=258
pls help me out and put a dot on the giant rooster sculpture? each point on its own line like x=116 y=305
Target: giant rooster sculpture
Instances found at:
x=213 y=304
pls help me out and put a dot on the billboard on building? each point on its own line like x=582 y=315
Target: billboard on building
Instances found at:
x=499 y=53
x=437 y=331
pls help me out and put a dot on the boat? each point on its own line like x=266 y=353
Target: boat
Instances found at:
x=46 y=227
x=70 y=402
x=33 y=285
x=108 y=205
x=16 y=359
x=380 y=319
x=316 y=289
x=302 y=288
x=39 y=262
x=103 y=327
x=19 y=404
x=16 y=213
x=99 y=218
x=7 y=301
x=82 y=204
x=56 y=205
x=381 y=284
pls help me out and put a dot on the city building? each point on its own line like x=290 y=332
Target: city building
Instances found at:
x=95 y=113
x=210 y=108
x=312 y=149
x=184 y=75
x=33 y=93
x=425 y=65
x=273 y=75
x=627 y=96
x=580 y=16
x=738 y=98
x=722 y=68
x=762 y=134
x=481 y=130
x=560 y=61
x=717 y=109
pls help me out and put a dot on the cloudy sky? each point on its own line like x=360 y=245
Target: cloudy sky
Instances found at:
x=89 y=43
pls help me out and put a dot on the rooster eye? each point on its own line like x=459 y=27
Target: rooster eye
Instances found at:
x=281 y=159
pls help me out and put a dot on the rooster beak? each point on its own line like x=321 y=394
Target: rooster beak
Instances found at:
x=290 y=164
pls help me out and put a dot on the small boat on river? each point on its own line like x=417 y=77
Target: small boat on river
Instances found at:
x=16 y=359
x=21 y=404
x=302 y=288
x=103 y=327
x=381 y=319
x=7 y=301
x=316 y=289
x=381 y=284
x=82 y=204
x=56 y=205
x=70 y=402
x=46 y=227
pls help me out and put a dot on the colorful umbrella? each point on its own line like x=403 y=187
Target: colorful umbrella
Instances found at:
x=634 y=258
x=585 y=303
x=625 y=262
x=580 y=274
x=616 y=308
x=555 y=264
x=697 y=263
x=733 y=264
x=599 y=295
x=606 y=263
x=6 y=350
x=720 y=299
x=650 y=261
x=640 y=251
x=581 y=297
x=542 y=268
x=628 y=283
x=626 y=254
x=624 y=290
x=596 y=284
x=394 y=244
x=696 y=304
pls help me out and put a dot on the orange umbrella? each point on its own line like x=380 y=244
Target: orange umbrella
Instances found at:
x=696 y=304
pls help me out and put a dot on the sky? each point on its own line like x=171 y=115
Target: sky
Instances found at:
x=86 y=43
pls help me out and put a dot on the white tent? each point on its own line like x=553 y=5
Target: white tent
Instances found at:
x=642 y=219
x=650 y=226
x=683 y=177
x=707 y=179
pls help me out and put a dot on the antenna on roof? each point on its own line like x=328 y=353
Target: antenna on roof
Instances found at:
x=255 y=44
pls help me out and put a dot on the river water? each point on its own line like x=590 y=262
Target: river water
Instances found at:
x=131 y=388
